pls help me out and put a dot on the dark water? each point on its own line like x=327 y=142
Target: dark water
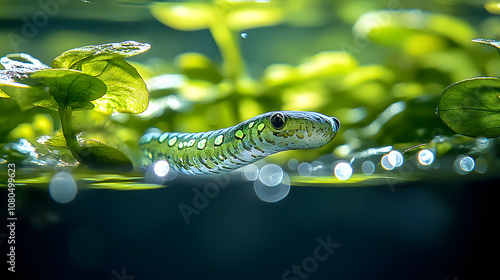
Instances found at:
x=421 y=230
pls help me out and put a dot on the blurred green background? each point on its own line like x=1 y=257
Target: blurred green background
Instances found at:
x=216 y=63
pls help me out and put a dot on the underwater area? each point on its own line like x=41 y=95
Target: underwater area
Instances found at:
x=405 y=186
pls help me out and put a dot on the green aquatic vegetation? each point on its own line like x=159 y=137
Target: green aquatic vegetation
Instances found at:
x=95 y=77
x=471 y=107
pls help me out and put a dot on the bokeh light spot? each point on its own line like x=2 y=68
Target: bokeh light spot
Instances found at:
x=305 y=169
x=251 y=172
x=161 y=168
x=343 y=171
x=368 y=167
x=272 y=194
x=271 y=175
x=395 y=158
x=386 y=164
x=425 y=157
x=62 y=187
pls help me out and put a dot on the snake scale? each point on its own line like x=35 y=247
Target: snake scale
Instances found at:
x=230 y=148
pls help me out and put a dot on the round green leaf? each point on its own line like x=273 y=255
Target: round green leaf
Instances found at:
x=126 y=90
x=472 y=107
x=70 y=86
x=74 y=57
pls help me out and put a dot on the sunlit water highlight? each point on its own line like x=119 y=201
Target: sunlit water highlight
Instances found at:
x=161 y=168
x=343 y=171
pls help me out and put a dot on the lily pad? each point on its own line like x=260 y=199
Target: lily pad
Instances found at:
x=472 y=107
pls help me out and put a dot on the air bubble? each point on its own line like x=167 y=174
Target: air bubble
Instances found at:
x=271 y=175
x=244 y=35
x=343 y=171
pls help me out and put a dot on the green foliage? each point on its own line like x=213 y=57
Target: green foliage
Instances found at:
x=471 y=107
x=91 y=77
x=68 y=88
x=380 y=71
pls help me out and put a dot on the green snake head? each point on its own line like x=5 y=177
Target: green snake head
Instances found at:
x=229 y=148
x=292 y=130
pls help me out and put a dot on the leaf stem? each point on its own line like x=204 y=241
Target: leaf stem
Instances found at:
x=66 y=117
x=225 y=39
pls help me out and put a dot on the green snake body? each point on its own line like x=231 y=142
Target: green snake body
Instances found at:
x=233 y=147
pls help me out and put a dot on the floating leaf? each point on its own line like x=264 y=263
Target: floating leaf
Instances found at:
x=97 y=155
x=74 y=57
x=69 y=87
x=472 y=107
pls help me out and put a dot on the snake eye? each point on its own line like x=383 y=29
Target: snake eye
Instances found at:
x=277 y=120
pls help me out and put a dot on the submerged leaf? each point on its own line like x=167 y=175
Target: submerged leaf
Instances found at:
x=100 y=156
x=74 y=57
x=472 y=107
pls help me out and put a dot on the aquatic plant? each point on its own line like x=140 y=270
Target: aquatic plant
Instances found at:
x=94 y=77
x=471 y=106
